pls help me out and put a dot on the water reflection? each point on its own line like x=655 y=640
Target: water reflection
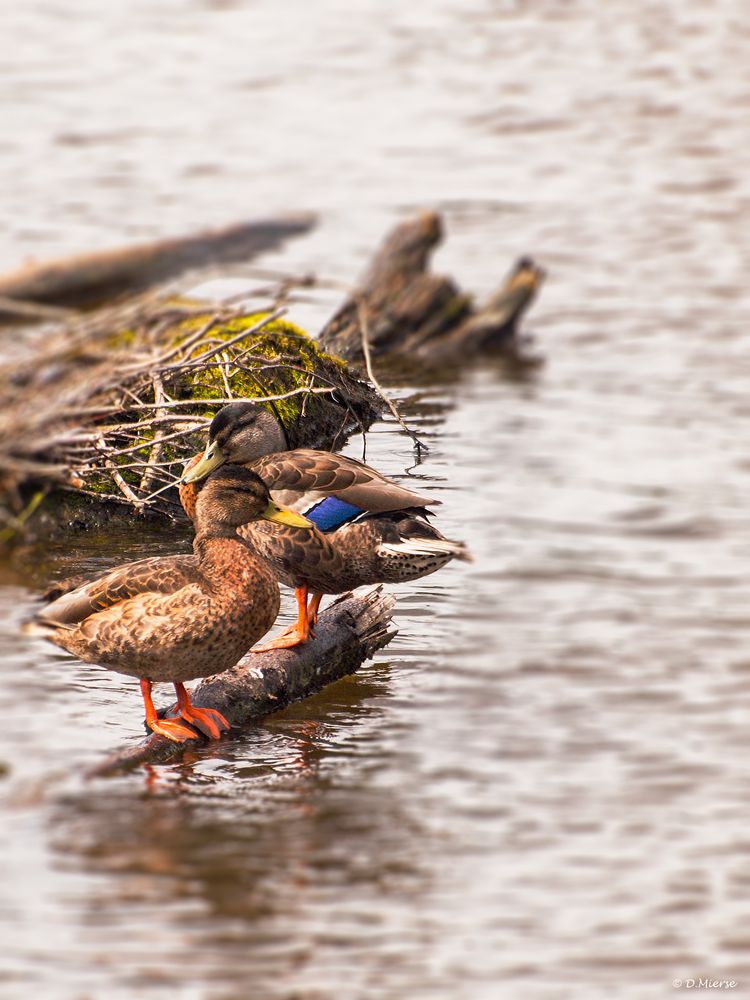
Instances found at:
x=276 y=828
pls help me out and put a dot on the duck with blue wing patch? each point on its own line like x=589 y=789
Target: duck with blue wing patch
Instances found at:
x=331 y=513
x=368 y=529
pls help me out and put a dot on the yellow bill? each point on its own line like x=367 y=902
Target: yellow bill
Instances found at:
x=281 y=515
x=213 y=457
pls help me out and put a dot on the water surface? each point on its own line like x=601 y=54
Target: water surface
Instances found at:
x=539 y=789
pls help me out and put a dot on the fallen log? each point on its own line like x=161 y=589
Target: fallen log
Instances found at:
x=398 y=293
x=348 y=632
x=422 y=317
x=96 y=277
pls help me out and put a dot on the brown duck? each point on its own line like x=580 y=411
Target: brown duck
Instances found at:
x=175 y=618
x=368 y=529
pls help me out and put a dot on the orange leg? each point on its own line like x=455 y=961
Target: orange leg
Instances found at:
x=296 y=634
x=312 y=609
x=173 y=729
x=210 y=722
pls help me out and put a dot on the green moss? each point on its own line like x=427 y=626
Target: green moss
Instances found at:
x=277 y=359
x=121 y=340
x=281 y=341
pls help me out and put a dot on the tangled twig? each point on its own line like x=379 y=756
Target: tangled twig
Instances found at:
x=419 y=445
x=118 y=420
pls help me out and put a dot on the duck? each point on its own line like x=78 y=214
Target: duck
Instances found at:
x=175 y=618
x=366 y=530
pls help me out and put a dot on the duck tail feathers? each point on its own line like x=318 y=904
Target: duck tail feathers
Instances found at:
x=426 y=547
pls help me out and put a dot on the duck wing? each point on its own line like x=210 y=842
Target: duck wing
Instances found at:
x=140 y=626
x=157 y=575
x=332 y=489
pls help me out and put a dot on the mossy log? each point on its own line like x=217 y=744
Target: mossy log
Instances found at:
x=419 y=316
x=96 y=277
x=348 y=632
x=108 y=414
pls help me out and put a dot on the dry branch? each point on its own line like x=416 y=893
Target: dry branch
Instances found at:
x=97 y=276
x=419 y=446
x=348 y=633
x=32 y=310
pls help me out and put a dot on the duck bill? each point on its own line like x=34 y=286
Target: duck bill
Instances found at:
x=213 y=457
x=280 y=515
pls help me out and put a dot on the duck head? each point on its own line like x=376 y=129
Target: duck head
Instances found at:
x=233 y=496
x=239 y=433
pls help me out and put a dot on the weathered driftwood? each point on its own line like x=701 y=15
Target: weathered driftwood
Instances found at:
x=88 y=277
x=348 y=633
x=421 y=316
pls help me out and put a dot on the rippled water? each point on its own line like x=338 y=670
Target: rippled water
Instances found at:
x=540 y=788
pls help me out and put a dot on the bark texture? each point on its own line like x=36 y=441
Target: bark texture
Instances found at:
x=422 y=317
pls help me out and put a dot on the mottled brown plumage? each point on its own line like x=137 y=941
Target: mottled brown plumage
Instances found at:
x=193 y=617
x=389 y=542
x=390 y=548
x=178 y=617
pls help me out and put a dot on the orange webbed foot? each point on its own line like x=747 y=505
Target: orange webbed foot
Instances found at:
x=288 y=639
x=210 y=721
x=295 y=634
x=174 y=729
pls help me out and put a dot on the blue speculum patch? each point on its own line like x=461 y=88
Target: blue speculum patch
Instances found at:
x=330 y=513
